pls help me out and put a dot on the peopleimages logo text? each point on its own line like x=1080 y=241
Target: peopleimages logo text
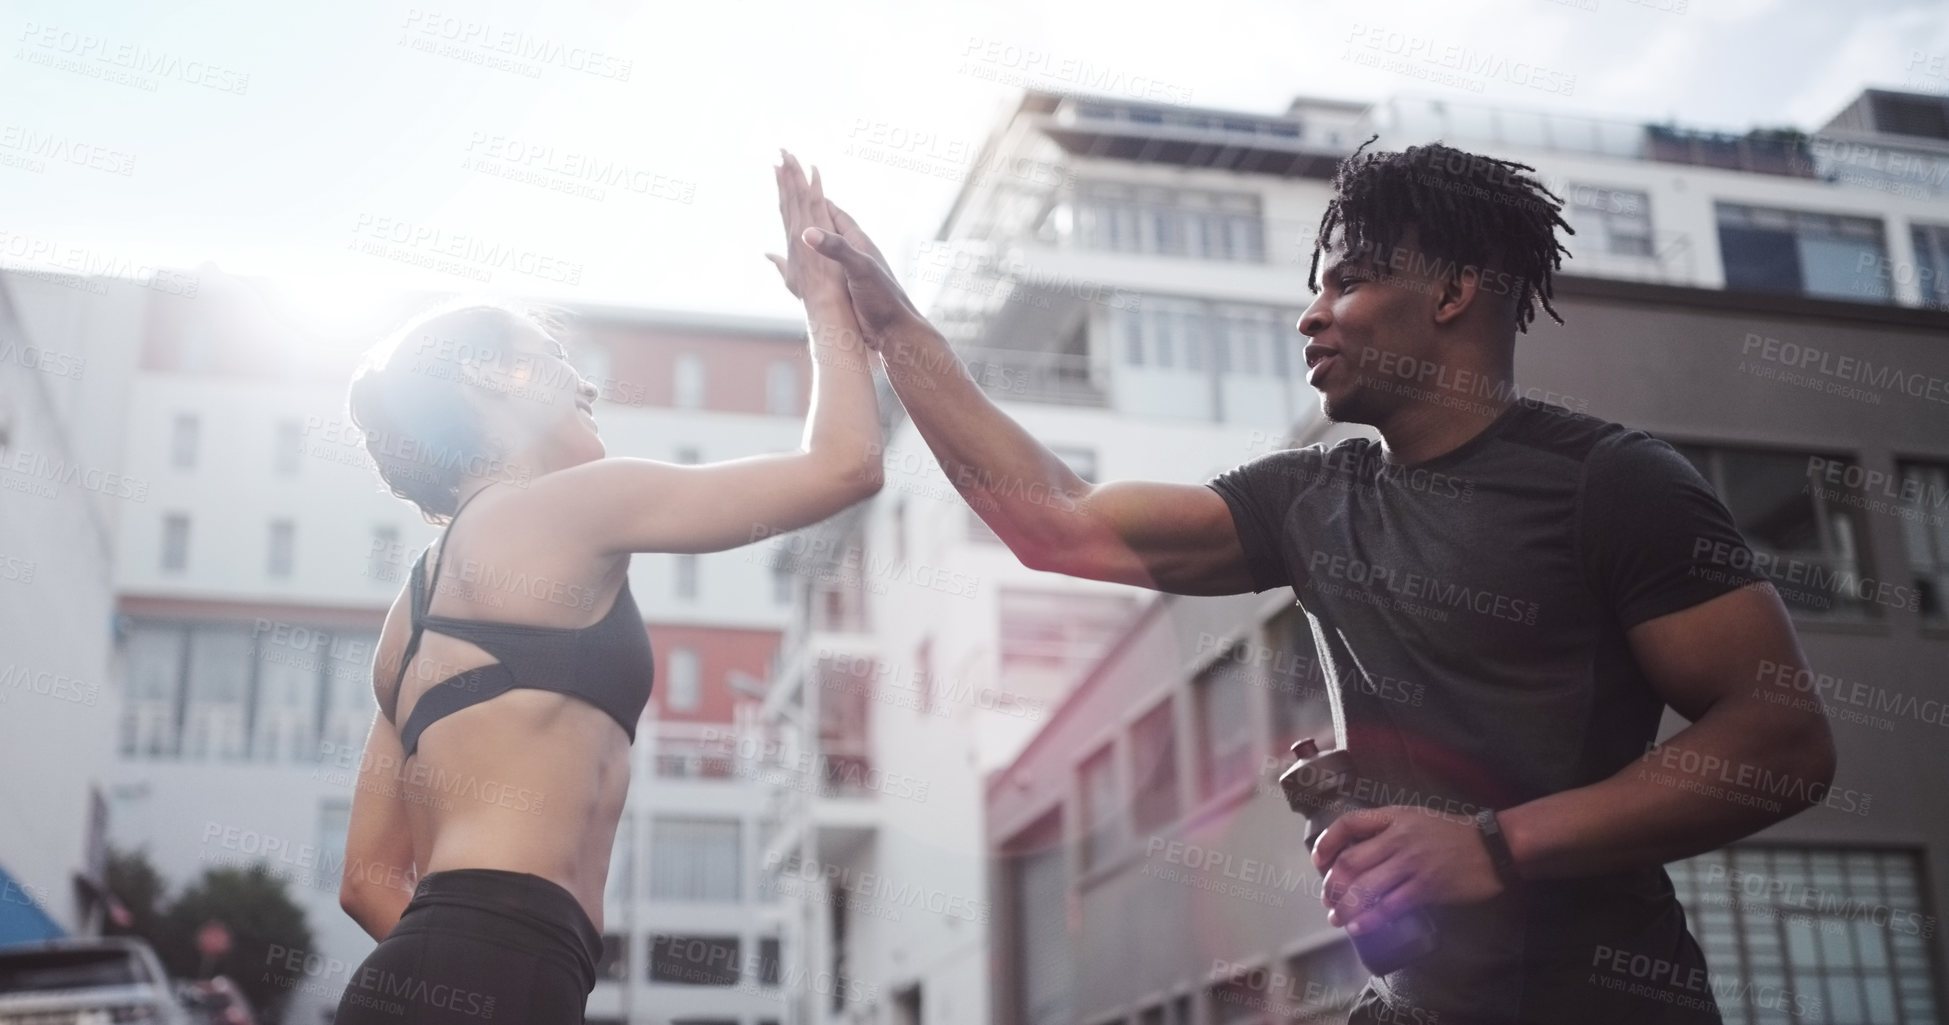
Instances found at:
x=1851 y=369
x=1823 y=578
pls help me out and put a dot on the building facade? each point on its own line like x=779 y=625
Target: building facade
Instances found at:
x=65 y=346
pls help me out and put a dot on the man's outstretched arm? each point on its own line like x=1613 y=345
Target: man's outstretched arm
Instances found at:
x=1169 y=537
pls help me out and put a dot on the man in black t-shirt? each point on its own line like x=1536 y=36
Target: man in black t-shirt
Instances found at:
x=1548 y=582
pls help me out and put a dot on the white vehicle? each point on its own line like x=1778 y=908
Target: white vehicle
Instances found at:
x=110 y=980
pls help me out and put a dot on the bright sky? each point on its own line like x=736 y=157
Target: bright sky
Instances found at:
x=348 y=132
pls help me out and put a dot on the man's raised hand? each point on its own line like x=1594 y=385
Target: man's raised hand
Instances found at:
x=879 y=303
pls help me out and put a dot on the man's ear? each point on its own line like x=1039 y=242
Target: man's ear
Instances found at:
x=1458 y=293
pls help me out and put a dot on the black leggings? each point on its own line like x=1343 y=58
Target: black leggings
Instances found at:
x=479 y=946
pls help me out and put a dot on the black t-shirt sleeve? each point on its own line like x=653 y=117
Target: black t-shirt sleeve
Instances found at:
x=1261 y=494
x=1656 y=538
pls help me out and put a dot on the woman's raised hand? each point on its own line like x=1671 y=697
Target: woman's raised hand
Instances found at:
x=802 y=204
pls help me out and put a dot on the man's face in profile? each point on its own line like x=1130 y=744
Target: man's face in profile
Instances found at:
x=1367 y=322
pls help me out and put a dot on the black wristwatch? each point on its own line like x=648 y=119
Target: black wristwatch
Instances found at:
x=1498 y=845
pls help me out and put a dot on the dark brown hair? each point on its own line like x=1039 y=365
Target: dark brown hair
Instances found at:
x=409 y=398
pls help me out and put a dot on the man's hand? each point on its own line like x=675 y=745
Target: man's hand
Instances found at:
x=879 y=303
x=1381 y=862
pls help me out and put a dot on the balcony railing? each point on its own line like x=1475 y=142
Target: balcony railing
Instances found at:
x=1762 y=151
x=1030 y=376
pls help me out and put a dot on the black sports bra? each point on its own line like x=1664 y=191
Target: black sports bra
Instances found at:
x=607 y=664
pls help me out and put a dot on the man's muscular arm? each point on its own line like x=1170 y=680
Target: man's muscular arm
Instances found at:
x=1744 y=764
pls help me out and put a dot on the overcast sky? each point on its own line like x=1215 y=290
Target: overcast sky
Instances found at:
x=272 y=139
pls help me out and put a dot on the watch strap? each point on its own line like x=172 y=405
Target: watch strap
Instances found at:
x=1497 y=843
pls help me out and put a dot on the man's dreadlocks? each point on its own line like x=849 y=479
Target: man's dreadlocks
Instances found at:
x=1468 y=211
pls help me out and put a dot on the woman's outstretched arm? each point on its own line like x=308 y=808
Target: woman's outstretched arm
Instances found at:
x=641 y=505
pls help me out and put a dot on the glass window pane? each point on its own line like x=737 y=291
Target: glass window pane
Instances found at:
x=1844 y=268
x=1098 y=783
x=1224 y=725
x=1153 y=756
x=695 y=860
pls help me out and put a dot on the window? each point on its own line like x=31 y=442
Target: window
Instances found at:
x=1925 y=531
x=1224 y=725
x=175 y=542
x=924 y=675
x=277 y=561
x=1800 y=253
x=1081 y=461
x=689 y=382
x=1097 y=783
x=1932 y=263
x=614 y=966
x=1297 y=682
x=1058 y=631
x=1038 y=897
x=841 y=911
x=219 y=684
x=1154 y=761
x=1194 y=223
x=1813 y=532
x=781 y=579
x=978 y=529
x=591 y=361
x=907 y=1005
x=694 y=960
x=1610 y=222
x=290 y=447
x=286 y=720
x=621 y=884
x=154 y=666
x=695 y=860
x=684 y=680
x=1241 y=999
x=1845 y=926
x=183 y=436
x=334 y=824
x=1326 y=980
x=768 y=961
x=1923 y=116
x=382 y=562
x=349 y=705
x=899 y=519
x=782 y=388
x=685 y=579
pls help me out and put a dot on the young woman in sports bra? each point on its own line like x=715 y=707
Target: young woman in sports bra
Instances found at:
x=513 y=667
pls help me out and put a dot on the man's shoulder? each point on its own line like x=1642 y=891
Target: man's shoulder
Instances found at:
x=1554 y=431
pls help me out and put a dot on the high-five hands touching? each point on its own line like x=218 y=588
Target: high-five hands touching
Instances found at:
x=844 y=255
x=879 y=303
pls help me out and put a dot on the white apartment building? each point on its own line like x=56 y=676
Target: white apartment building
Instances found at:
x=65 y=347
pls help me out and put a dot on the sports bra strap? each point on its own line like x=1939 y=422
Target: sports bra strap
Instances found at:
x=422 y=598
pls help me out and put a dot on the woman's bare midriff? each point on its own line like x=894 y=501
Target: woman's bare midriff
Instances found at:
x=527 y=781
x=535 y=783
